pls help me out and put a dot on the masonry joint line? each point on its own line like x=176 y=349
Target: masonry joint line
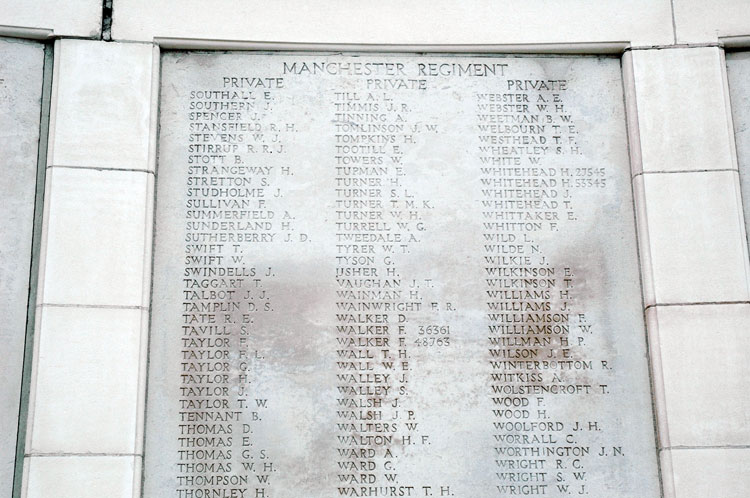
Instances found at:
x=702 y=303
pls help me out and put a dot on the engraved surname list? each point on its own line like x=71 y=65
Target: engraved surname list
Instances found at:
x=395 y=275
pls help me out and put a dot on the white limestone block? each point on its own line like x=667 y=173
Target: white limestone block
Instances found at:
x=738 y=73
x=70 y=18
x=680 y=99
x=85 y=388
x=702 y=351
x=96 y=249
x=699 y=21
x=82 y=477
x=101 y=105
x=710 y=472
x=691 y=236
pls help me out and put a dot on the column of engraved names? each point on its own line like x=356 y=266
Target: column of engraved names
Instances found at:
x=377 y=222
x=538 y=365
x=228 y=215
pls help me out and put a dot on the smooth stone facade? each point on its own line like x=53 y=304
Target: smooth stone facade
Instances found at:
x=87 y=386
x=410 y=272
x=43 y=18
x=440 y=22
x=21 y=67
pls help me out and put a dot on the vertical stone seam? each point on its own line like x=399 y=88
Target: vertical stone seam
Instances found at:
x=653 y=351
x=728 y=107
x=674 y=21
x=148 y=233
x=41 y=276
x=743 y=232
x=665 y=461
x=146 y=240
x=106 y=31
x=139 y=476
x=636 y=167
x=660 y=392
x=735 y=162
x=654 y=359
x=31 y=313
x=41 y=279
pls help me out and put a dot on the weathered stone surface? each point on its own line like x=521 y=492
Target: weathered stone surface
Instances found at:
x=100 y=75
x=21 y=65
x=672 y=138
x=395 y=276
x=687 y=269
x=702 y=349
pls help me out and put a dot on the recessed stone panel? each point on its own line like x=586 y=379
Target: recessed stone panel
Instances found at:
x=395 y=275
x=21 y=66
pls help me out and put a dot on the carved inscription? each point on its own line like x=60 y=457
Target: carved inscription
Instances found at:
x=395 y=276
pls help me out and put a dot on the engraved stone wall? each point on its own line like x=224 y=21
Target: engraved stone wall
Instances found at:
x=393 y=275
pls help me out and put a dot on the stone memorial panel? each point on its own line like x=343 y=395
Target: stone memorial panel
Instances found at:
x=21 y=67
x=738 y=72
x=395 y=275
